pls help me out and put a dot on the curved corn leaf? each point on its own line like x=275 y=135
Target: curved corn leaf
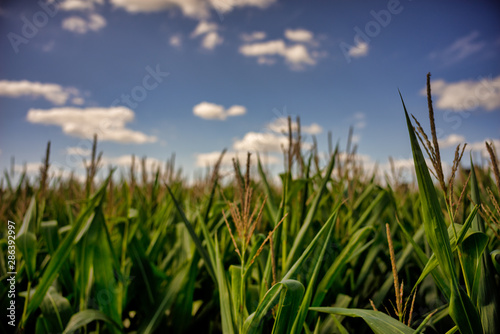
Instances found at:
x=379 y=322
x=495 y=258
x=472 y=248
x=290 y=294
x=56 y=310
x=85 y=317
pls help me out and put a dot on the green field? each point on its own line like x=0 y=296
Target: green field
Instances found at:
x=325 y=248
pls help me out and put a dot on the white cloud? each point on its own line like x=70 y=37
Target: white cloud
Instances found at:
x=211 y=40
x=79 y=25
x=224 y=6
x=108 y=123
x=76 y=150
x=360 y=50
x=280 y=125
x=236 y=111
x=480 y=146
x=79 y=5
x=299 y=35
x=51 y=92
x=451 y=140
x=261 y=142
x=126 y=161
x=175 y=41
x=196 y=9
x=209 y=110
x=211 y=158
x=204 y=27
x=254 y=36
x=296 y=55
x=460 y=49
x=467 y=94
x=211 y=37
x=56 y=170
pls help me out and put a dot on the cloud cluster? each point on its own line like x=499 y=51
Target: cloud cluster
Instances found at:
x=51 y=92
x=270 y=141
x=88 y=19
x=359 y=50
x=467 y=94
x=209 y=31
x=79 y=5
x=209 y=110
x=261 y=142
x=195 y=9
x=451 y=140
x=108 y=123
x=295 y=55
x=299 y=35
x=79 y=25
x=480 y=146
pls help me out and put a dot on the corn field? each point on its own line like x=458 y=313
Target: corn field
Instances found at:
x=326 y=248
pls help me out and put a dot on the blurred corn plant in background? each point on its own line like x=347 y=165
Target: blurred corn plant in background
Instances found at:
x=328 y=245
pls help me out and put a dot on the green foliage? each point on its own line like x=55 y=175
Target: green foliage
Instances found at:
x=160 y=256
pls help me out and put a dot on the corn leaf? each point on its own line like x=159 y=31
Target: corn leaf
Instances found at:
x=379 y=322
x=462 y=310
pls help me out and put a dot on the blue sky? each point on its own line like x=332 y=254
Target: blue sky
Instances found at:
x=196 y=76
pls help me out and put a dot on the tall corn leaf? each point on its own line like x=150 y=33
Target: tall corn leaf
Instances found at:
x=488 y=292
x=432 y=262
x=292 y=272
x=299 y=239
x=105 y=284
x=379 y=322
x=356 y=242
x=462 y=310
x=306 y=301
x=194 y=236
x=290 y=294
x=224 y=298
x=26 y=240
x=171 y=291
x=63 y=251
